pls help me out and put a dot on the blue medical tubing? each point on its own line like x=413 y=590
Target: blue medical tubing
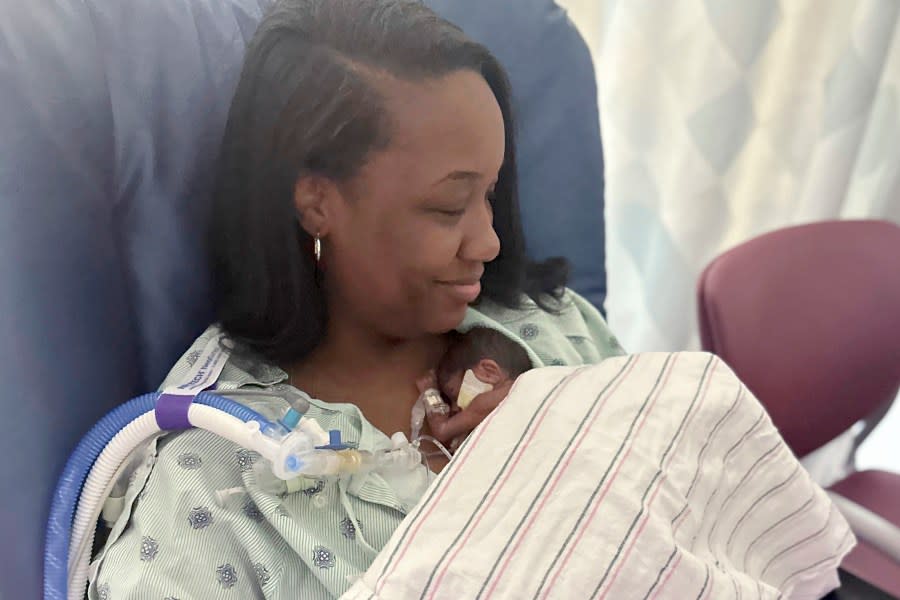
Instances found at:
x=68 y=490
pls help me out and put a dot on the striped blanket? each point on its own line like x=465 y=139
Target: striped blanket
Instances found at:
x=646 y=476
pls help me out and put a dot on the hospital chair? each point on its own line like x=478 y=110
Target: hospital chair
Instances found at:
x=110 y=117
x=809 y=318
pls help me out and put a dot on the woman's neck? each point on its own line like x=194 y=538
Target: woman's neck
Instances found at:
x=376 y=373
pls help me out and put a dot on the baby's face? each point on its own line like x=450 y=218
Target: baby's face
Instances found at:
x=450 y=387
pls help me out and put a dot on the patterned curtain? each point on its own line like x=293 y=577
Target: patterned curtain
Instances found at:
x=724 y=120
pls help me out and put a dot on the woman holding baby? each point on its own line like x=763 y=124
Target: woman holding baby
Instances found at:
x=365 y=217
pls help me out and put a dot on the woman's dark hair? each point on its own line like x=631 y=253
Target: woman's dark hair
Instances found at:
x=306 y=103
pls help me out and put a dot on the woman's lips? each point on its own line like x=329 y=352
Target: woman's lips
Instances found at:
x=464 y=291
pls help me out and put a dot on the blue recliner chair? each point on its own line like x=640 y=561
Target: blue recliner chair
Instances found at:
x=110 y=117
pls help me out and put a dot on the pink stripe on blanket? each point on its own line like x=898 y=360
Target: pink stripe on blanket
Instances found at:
x=646 y=517
x=668 y=577
x=631 y=545
x=608 y=485
x=557 y=478
x=420 y=519
x=486 y=507
x=677 y=524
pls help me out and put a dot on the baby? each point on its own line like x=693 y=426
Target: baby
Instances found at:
x=476 y=362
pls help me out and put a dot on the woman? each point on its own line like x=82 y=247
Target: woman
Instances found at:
x=365 y=208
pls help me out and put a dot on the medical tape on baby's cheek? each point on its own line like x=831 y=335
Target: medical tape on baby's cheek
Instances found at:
x=470 y=388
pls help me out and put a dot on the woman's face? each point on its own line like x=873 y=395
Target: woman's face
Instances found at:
x=409 y=236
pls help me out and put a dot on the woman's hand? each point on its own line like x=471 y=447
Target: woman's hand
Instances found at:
x=445 y=428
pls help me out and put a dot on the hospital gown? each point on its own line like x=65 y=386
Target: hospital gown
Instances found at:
x=196 y=522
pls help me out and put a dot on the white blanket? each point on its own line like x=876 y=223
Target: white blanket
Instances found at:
x=646 y=476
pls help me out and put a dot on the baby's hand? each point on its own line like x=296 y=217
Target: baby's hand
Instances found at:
x=426 y=381
x=445 y=428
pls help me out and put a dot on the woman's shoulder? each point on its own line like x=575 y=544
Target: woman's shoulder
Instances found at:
x=571 y=332
x=569 y=313
x=241 y=368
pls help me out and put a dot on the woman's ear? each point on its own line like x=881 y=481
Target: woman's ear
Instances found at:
x=311 y=201
x=488 y=371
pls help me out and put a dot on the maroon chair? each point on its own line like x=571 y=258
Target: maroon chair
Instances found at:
x=809 y=318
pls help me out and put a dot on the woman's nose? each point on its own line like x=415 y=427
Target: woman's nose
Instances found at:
x=481 y=244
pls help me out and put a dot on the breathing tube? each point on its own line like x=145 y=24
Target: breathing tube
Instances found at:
x=121 y=430
x=292 y=445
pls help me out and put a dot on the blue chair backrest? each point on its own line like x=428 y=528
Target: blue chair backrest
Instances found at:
x=110 y=117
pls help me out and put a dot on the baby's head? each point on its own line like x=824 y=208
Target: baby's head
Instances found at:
x=492 y=357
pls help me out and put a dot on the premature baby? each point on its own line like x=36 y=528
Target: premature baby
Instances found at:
x=476 y=362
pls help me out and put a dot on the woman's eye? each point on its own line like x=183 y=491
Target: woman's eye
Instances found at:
x=448 y=212
x=490 y=198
